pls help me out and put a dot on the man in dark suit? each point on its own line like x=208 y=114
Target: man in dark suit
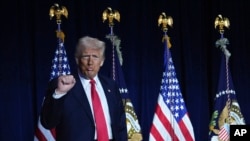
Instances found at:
x=68 y=105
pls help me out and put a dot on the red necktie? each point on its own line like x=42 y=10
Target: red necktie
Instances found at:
x=101 y=127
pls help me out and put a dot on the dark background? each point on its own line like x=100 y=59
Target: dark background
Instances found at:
x=28 y=42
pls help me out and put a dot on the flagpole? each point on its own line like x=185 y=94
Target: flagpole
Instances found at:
x=226 y=108
x=58 y=12
x=221 y=23
x=133 y=126
x=111 y=15
x=164 y=21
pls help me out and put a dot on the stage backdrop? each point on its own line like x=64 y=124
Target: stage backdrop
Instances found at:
x=28 y=41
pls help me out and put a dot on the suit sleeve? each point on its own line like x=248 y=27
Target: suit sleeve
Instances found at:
x=51 y=108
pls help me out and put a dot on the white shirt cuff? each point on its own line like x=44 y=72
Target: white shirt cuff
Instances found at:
x=57 y=96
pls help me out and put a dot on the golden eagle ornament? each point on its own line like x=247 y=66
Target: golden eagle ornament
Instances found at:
x=221 y=22
x=165 y=21
x=110 y=15
x=57 y=11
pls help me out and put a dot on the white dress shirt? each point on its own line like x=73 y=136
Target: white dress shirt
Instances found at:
x=87 y=87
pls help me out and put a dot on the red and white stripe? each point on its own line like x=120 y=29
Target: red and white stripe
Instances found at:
x=223 y=134
x=165 y=127
x=43 y=134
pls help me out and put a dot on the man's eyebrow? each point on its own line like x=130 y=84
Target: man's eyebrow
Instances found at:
x=89 y=55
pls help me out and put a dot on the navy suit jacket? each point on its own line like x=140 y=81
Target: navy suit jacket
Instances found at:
x=71 y=114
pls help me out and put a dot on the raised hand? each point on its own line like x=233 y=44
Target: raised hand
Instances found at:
x=65 y=83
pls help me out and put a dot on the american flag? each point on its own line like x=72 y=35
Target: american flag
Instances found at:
x=60 y=66
x=171 y=121
x=133 y=127
x=226 y=108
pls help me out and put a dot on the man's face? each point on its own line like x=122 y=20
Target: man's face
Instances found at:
x=90 y=62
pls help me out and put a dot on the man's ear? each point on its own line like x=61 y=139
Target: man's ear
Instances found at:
x=102 y=63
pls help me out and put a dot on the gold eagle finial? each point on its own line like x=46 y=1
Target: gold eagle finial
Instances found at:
x=165 y=21
x=221 y=22
x=110 y=15
x=55 y=10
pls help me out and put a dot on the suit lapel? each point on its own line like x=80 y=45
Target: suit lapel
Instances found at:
x=109 y=93
x=82 y=98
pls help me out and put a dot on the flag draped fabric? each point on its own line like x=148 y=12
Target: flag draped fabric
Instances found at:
x=226 y=108
x=171 y=120
x=133 y=127
x=60 y=66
